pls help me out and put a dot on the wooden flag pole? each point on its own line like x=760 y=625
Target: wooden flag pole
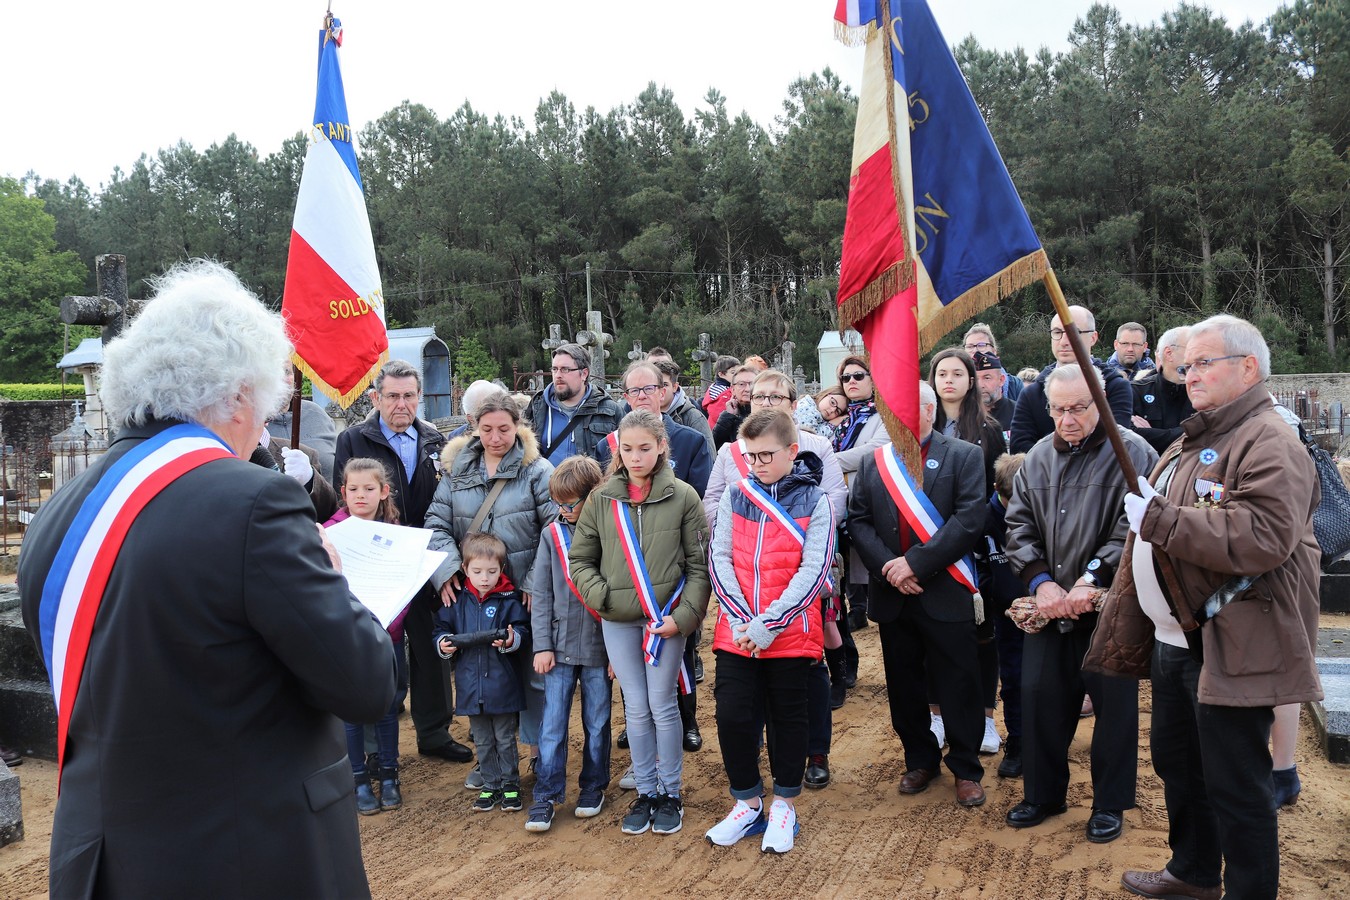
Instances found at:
x=1174 y=596
x=295 y=410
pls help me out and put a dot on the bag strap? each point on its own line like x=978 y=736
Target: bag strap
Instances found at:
x=498 y=485
x=548 y=449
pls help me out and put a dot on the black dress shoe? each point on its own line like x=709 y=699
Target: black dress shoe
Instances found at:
x=817 y=771
x=622 y=740
x=1025 y=815
x=11 y=757
x=1105 y=826
x=453 y=751
x=857 y=619
x=692 y=739
x=1011 y=766
x=698 y=669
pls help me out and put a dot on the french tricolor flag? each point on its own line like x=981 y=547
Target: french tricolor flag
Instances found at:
x=333 y=303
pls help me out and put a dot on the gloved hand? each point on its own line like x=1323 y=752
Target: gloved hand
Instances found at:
x=297 y=465
x=1137 y=504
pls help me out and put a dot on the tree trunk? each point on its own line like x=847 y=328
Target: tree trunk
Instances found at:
x=1329 y=295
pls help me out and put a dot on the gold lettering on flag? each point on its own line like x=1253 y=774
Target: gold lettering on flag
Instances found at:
x=922 y=213
x=917 y=102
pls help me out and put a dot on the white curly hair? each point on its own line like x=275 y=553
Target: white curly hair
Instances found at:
x=200 y=346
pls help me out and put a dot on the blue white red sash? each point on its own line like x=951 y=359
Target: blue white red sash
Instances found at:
x=561 y=537
x=83 y=563
x=646 y=592
x=738 y=456
x=919 y=511
x=613 y=440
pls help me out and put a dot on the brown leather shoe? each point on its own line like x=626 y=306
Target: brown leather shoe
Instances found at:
x=916 y=780
x=969 y=793
x=1166 y=886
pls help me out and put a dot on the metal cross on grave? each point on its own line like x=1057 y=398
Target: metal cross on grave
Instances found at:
x=706 y=357
x=111 y=308
x=596 y=340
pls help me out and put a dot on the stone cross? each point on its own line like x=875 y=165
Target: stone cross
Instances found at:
x=554 y=339
x=596 y=340
x=783 y=361
x=799 y=378
x=111 y=308
x=636 y=353
x=706 y=357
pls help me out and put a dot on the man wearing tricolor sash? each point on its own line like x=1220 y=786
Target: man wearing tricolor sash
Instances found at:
x=1066 y=532
x=201 y=646
x=915 y=542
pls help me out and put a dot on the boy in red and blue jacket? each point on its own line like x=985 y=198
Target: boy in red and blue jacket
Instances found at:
x=770 y=561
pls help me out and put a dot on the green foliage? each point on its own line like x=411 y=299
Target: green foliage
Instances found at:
x=41 y=391
x=1172 y=169
x=473 y=362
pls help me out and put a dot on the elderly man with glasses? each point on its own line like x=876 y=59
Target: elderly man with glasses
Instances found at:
x=410 y=450
x=1231 y=507
x=737 y=408
x=570 y=416
x=690 y=455
x=1065 y=534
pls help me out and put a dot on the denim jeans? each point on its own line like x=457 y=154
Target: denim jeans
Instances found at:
x=386 y=729
x=596 y=698
x=651 y=713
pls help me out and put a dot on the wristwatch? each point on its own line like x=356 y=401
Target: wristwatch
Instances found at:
x=1089 y=579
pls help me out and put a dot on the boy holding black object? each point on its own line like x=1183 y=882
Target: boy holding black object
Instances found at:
x=772 y=549
x=488 y=686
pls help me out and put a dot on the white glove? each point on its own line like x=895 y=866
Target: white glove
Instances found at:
x=297 y=465
x=1137 y=504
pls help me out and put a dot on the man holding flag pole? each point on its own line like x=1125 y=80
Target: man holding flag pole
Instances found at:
x=935 y=232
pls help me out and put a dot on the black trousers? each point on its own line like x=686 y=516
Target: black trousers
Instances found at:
x=1009 y=639
x=430 y=689
x=1214 y=762
x=914 y=644
x=1053 y=683
x=745 y=686
x=819 y=714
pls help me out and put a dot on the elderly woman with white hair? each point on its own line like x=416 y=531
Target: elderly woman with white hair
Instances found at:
x=190 y=618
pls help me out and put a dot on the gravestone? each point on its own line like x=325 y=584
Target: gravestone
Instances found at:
x=11 y=807
x=782 y=361
x=1335 y=587
x=111 y=309
x=597 y=341
x=636 y=353
x=706 y=357
x=26 y=705
x=554 y=340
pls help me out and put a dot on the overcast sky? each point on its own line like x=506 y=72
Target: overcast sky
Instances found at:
x=89 y=86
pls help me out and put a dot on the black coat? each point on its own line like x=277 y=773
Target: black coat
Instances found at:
x=413 y=496
x=1165 y=405
x=956 y=488
x=1031 y=419
x=206 y=754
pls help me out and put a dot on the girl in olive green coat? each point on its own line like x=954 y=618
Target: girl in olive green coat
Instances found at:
x=639 y=559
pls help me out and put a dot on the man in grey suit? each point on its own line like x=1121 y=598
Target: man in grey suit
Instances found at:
x=925 y=617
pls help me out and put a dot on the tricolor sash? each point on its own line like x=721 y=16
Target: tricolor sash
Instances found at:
x=646 y=591
x=613 y=440
x=83 y=563
x=561 y=538
x=919 y=511
x=738 y=457
x=774 y=511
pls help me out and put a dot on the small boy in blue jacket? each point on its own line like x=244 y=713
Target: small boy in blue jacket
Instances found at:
x=486 y=622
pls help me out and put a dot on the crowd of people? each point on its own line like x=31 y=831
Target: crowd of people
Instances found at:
x=587 y=538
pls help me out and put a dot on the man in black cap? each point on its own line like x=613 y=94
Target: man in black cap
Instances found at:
x=989 y=378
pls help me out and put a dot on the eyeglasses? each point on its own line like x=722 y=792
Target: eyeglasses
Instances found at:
x=568 y=507
x=1201 y=366
x=645 y=391
x=769 y=399
x=763 y=457
x=562 y=370
x=410 y=397
x=1057 y=333
x=979 y=345
x=1059 y=412
x=854 y=376
x=744 y=384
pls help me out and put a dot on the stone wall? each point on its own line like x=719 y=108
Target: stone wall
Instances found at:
x=28 y=426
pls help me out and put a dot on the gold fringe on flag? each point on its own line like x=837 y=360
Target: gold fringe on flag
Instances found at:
x=341 y=399
x=854 y=35
x=906 y=442
x=892 y=280
x=1030 y=268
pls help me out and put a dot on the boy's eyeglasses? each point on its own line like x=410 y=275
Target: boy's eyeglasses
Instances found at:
x=568 y=507
x=853 y=376
x=763 y=457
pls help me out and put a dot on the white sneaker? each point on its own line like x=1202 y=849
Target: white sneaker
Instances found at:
x=939 y=730
x=743 y=821
x=782 y=828
x=991 y=741
x=627 y=781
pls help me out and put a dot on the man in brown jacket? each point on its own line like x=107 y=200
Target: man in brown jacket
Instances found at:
x=1231 y=507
